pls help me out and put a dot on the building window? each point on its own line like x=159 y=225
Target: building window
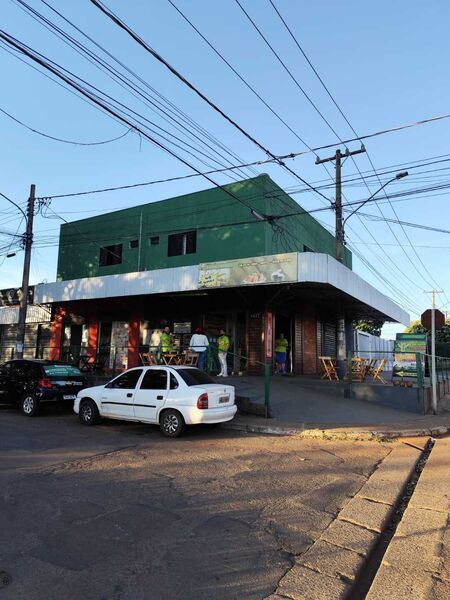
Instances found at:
x=134 y=244
x=307 y=249
x=182 y=243
x=110 y=255
x=154 y=240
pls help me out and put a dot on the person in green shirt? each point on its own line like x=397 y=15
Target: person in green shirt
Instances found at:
x=223 y=344
x=281 y=345
x=166 y=340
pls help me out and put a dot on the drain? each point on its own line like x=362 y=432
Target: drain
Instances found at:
x=367 y=574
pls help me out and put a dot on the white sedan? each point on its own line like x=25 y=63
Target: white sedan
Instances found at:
x=170 y=396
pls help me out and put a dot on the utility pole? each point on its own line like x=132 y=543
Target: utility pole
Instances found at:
x=433 y=349
x=28 y=241
x=337 y=158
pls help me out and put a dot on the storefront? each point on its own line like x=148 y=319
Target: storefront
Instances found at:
x=301 y=295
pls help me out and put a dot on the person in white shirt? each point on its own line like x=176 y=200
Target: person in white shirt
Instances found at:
x=199 y=343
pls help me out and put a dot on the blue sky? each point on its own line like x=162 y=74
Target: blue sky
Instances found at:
x=384 y=62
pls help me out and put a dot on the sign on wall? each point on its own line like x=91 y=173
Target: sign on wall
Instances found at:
x=259 y=270
x=12 y=296
x=406 y=346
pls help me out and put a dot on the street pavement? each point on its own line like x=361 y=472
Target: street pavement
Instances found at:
x=118 y=512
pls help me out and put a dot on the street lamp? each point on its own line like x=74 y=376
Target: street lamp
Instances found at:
x=397 y=177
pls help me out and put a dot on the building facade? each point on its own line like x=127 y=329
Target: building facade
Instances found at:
x=245 y=258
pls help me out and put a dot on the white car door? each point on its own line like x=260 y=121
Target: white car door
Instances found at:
x=151 y=395
x=117 y=396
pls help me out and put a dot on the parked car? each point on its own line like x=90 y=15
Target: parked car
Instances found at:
x=169 y=396
x=32 y=382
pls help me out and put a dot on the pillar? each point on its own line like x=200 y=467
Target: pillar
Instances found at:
x=309 y=341
x=341 y=346
x=92 y=338
x=297 y=345
x=255 y=352
x=134 y=337
x=56 y=333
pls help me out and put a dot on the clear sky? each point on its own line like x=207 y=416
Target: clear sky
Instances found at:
x=385 y=63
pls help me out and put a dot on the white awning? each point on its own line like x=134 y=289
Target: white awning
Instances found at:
x=312 y=268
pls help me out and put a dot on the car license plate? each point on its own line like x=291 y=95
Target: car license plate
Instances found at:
x=69 y=396
x=223 y=399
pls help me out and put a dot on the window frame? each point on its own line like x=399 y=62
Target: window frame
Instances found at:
x=150 y=372
x=181 y=244
x=111 y=385
x=110 y=255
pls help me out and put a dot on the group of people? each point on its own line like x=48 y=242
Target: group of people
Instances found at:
x=199 y=343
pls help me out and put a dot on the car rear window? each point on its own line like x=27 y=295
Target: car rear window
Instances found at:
x=194 y=376
x=61 y=370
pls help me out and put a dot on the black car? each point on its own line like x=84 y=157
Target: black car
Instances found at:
x=30 y=382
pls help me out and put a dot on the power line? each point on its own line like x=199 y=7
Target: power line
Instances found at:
x=62 y=140
x=192 y=87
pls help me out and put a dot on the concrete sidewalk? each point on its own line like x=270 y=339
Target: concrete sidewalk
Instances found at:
x=325 y=412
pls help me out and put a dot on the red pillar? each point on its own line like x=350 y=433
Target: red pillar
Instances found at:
x=134 y=326
x=92 y=335
x=309 y=341
x=56 y=332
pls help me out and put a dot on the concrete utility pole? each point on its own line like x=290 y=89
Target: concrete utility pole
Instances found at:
x=28 y=241
x=337 y=158
x=433 y=349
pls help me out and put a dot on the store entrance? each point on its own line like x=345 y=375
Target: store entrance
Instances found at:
x=284 y=325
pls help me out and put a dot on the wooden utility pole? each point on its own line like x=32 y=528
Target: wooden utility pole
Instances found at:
x=337 y=158
x=28 y=241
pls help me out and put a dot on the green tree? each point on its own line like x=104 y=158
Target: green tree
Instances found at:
x=372 y=326
x=442 y=335
x=415 y=327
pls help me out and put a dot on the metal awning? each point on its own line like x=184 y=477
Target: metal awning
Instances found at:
x=313 y=271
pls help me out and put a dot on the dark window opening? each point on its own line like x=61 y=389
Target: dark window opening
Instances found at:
x=111 y=255
x=154 y=240
x=182 y=243
x=154 y=379
x=307 y=249
x=134 y=244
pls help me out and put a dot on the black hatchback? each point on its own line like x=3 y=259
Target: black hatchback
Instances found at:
x=32 y=382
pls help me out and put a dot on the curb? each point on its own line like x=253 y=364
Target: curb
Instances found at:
x=333 y=565
x=337 y=434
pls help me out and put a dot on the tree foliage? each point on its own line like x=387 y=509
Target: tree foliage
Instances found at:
x=442 y=335
x=372 y=326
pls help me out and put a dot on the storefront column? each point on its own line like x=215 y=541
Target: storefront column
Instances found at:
x=341 y=347
x=297 y=346
x=310 y=357
x=56 y=332
x=92 y=336
x=134 y=327
x=255 y=351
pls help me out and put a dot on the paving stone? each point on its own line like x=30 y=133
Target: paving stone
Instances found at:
x=383 y=490
x=425 y=499
x=332 y=560
x=399 y=463
x=400 y=584
x=422 y=526
x=301 y=583
x=366 y=513
x=352 y=537
x=406 y=551
x=418 y=442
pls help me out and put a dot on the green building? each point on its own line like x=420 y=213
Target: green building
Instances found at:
x=243 y=257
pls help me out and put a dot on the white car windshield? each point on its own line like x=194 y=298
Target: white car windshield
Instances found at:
x=194 y=376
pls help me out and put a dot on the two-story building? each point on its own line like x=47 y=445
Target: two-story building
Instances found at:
x=214 y=259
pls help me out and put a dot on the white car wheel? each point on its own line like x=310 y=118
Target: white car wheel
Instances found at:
x=171 y=423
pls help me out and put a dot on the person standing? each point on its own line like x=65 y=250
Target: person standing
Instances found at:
x=281 y=345
x=166 y=340
x=199 y=343
x=223 y=344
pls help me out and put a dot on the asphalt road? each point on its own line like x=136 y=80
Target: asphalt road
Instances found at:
x=118 y=512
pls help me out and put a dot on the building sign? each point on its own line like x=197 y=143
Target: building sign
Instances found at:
x=12 y=296
x=277 y=268
x=185 y=327
x=405 y=348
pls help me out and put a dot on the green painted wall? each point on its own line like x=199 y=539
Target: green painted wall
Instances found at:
x=225 y=230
